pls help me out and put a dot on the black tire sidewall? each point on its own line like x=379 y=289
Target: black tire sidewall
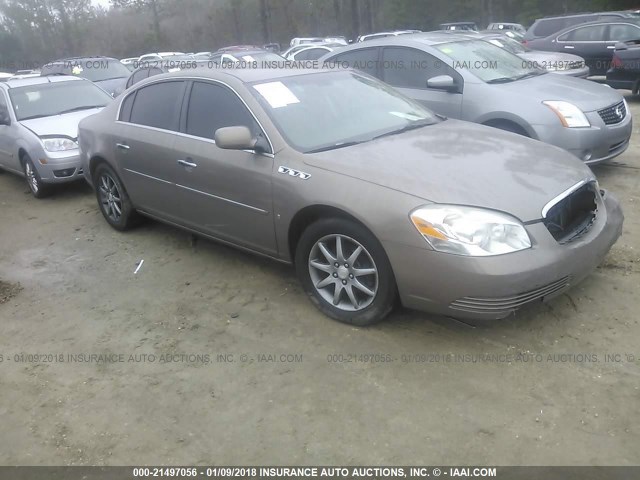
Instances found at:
x=387 y=290
x=128 y=215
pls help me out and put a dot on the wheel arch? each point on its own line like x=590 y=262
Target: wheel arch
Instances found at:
x=310 y=214
x=507 y=119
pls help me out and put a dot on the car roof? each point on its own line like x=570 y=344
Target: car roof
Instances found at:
x=24 y=82
x=620 y=13
x=80 y=59
x=244 y=75
x=635 y=21
x=417 y=39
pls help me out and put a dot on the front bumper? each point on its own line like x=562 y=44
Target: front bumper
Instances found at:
x=60 y=167
x=491 y=288
x=594 y=144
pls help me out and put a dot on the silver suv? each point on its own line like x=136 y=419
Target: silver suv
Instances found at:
x=39 y=119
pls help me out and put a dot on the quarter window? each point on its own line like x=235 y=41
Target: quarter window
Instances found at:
x=213 y=106
x=620 y=32
x=158 y=105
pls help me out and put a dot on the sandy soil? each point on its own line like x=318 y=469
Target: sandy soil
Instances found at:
x=209 y=354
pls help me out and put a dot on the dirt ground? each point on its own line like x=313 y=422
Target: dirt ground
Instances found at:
x=211 y=355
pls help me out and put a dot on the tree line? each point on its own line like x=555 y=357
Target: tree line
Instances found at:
x=33 y=32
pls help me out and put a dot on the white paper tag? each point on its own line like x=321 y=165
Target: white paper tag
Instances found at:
x=277 y=94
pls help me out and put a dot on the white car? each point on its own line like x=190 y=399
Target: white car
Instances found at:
x=158 y=56
x=376 y=36
x=310 y=52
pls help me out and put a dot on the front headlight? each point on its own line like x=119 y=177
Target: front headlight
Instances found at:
x=570 y=115
x=470 y=231
x=59 y=144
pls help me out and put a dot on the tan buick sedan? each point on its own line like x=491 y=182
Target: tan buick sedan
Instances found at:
x=374 y=198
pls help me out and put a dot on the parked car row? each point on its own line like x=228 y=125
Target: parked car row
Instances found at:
x=462 y=77
x=402 y=159
x=370 y=208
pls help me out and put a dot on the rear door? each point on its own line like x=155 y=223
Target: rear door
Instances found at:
x=224 y=193
x=145 y=146
x=590 y=43
x=620 y=32
x=409 y=69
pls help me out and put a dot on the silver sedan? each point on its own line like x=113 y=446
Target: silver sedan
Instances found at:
x=39 y=127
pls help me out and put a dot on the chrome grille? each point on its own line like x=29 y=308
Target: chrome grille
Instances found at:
x=613 y=114
x=509 y=304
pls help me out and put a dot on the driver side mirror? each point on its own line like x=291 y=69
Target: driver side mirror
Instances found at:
x=239 y=138
x=442 y=82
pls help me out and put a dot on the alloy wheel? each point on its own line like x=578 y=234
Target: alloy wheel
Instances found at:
x=110 y=197
x=32 y=180
x=343 y=272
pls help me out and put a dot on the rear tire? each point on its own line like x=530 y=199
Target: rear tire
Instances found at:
x=37 y=187
x=345 y=272
x=113 y=200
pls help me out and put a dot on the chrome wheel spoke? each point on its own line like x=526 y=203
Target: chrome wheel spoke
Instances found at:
x=352 y=296
x=336 y=294
x=325 y=251
x=335 y=276
x=364 y=289
x=325 y=282
x=359 y=272
x=323 y=267
x=339 y=254
x=354 y=256
x=117 y=208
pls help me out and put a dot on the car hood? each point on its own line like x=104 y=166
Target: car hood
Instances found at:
x=64 y=125
x=113 y=86
x=462 y=163
x=550 y=57
x=588 y=96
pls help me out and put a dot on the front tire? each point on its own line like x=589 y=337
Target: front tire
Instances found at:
x=345 y=272
x=114 y=203
x=37 y=187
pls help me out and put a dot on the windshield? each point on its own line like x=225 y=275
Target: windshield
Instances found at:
x=488 y=62
x=47 y=99
x=509 y=44
x=334 y=109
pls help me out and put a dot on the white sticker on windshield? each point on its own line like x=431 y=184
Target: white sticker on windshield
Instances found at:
x=248 y=58
x=407 y=116
x=277 y=94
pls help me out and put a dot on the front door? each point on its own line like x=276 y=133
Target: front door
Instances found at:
x=224 y=193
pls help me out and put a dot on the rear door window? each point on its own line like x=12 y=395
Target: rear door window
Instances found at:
x=622 y=32
x=594 y=33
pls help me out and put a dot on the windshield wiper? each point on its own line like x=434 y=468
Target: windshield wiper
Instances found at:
x=410 y=126
x=76 y=109
x=502 y=80
x=334 y=147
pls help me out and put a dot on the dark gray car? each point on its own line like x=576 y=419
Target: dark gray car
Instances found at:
x=472 y=80
x=385 y=200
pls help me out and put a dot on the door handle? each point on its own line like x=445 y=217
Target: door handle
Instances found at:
x=123 y=146
x=569 y=46
x=187 y=163
x=611 y=47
